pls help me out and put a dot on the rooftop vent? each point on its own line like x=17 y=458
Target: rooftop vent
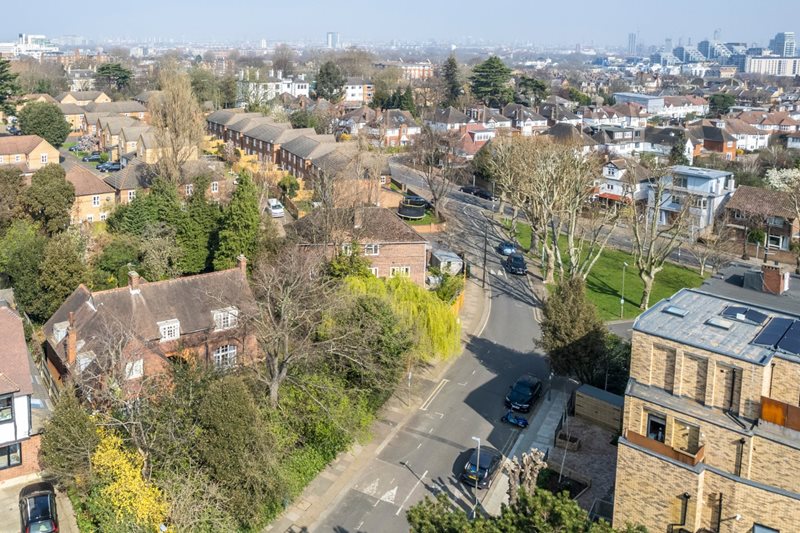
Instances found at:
x=676 y=311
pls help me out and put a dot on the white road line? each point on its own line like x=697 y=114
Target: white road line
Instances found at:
x=432 y=396
x=358 y=527
x=412 y=492
x=441 y=415
x=464 y=384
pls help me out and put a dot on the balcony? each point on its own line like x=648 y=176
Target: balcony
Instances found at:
x=667 y=451
x=779 y=413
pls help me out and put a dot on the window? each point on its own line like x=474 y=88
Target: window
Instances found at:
x=95 y=200
x=2 y=160
x=89 y=218
x=43 y=158
x=214 y=186
x=189 y=189
x=374 y=271
x=17 y=158
x=6 y=409
x=134 y=369
x=775 y=241
x=656 y=427
x=702 y=203
x=10 y=455
x=758 y=528
x=775 y=221
x=680 y=181
x=371 y=249
x=738 y=215
x=347 y=249
x=170 y=329
x=131 y=195
x=383 y=180
x=226 y=318
x=225 y=357
x=400 y=271
x=103 y=216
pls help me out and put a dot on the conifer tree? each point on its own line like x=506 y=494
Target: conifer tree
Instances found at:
x=241 y=223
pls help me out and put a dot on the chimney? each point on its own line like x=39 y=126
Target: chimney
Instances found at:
x=72 y=340
x=775 y=281
x=358 y=219
x=133 y=282
x=241 y=263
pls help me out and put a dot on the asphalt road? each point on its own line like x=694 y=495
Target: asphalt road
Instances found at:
x=430 y=450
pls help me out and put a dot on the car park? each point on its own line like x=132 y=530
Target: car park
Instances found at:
x=37 y=508
x=275 y=208
x=523 y=393
x=515 y=264
x=506 y=248
x=479 y=471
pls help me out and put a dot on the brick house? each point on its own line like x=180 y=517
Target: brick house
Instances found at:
x=711 y=425
x=296 y=155
x=392 y=247
x=217 y=122
x=19 y=431
x=768 y=209
x=393 y=127
x=126 y=108
x=94 y=198
x=29 y=153
x=135 y=331
x=109 y=129
x=82 y=98
x=129 y=138
x=265 y=140
x=75 y=115
x=715 y=140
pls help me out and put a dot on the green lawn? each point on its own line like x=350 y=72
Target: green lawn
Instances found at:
x=67 y=146
x=429 y=218
x=604 y=284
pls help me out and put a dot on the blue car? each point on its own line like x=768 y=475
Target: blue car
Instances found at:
x=506 y=248
x=515 y=264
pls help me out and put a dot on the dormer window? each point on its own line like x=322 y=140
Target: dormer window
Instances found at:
x=169 y=329
x=226 y=318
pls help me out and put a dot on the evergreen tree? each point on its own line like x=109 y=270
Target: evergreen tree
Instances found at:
x=45 y=120
x=61 y=271
x=198 y=230
x=407 y=101
x=10 y=188
x=452 y=82
x=21 y=252
x=530 y=91
x=161 y=205
x=240 y=226
x=8 y=86
x=330 y=82
x=114 y=76
x=572 y=334
x=490 y=82
x=677 y=155
x=119 y=257
x=49 y=199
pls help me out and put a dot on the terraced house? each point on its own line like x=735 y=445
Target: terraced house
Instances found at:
x=711 y=428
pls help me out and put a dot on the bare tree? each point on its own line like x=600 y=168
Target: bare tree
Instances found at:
x=177 y=123
x=524 y=474
x=709 y=250
x=432 y=153
x=283 y=59
x=654 y=241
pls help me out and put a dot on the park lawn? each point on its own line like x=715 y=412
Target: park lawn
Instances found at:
x=604 y=284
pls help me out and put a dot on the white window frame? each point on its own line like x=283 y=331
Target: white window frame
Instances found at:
x=96 y=200
x=103 y=216
x=347 y=249
x=775 y=222
x=778 y=245
x=374 y=271
x=225 y=356
x=17 y=158
x=372 y=249
x=169 y=329
x=89 y=218
x=225 y=318
x=2 y=159
x=131 y=195
x=214 y=186
x=134 y=369
x=404 y=271
x=43 y=158
x=189 y=189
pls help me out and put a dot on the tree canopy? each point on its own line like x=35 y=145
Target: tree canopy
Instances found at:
x=114 y=76
x=8 y=86
x=720 y=104
x=240 y=227
x=490 y=82
x=452 y=81
x=45 y=120
x=330 y=82
x=49 y=198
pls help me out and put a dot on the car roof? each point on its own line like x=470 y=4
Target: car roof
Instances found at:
x=36 y=489
x=528 y=378
x=487 y=454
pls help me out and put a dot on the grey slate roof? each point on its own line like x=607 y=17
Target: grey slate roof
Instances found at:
x=71 y=109
x=136 y=175
x=125 y=106
x=366 y=224
x=310 y=146
x=450 y=115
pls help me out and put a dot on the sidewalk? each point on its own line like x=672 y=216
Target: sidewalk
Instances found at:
x=332 y=483
x=539 y=434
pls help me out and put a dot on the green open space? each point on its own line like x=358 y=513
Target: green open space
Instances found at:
x=605 y=282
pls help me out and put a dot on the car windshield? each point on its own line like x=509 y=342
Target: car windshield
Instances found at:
x=517 y=260
x=44 y=526
x=523 y=387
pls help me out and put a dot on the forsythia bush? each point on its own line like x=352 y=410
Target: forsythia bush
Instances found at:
x=120 y=472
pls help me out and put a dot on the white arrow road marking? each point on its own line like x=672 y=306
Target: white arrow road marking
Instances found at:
x=389 y=496
x=372 y=488
x=412 y=492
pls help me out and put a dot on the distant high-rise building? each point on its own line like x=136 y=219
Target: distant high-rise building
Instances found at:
x=631 y=44
x=263 y=44
x=333 y=40
x=783 y=44
x=668 y=46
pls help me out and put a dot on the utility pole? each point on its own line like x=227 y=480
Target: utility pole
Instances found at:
x=485 y=244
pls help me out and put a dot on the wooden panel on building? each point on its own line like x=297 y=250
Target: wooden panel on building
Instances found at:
x=599 y=406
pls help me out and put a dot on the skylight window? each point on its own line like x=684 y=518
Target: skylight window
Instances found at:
x=676 y=311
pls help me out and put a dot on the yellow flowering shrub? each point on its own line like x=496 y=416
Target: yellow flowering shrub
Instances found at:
x=120 y=472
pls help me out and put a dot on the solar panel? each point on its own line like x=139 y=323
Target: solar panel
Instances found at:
x=734 y=312
x=755 y=316
x=744 y=313
x=791 y=339
x=773 y=332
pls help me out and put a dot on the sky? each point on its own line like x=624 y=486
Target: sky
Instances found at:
x=587 y=22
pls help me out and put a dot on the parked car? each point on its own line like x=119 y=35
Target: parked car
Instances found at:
x=91 y=158
x=111 y=167
x=515 y=264
x=481 y=473
x=506 y=248
x=101 y=166
x=275 y=208
x=469 y=189
x=37 y=508
x=483 y=193
x=524 y=393
x=13 y=130
x=416 y=201
x=74 y=148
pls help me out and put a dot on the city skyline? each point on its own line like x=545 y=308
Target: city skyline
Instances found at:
x=362 y=22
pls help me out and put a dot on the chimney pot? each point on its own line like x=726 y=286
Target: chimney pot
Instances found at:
x=133 y=281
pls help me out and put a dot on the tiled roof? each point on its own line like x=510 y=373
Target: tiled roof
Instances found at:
x=310 y=146
x=19 y=144
x=365 y=224
x=135 y=175
x=80 y=95
x=125 y=106
x=759 y=201
x=14 y=365
x=450 y=115
x=86 y=182
x=71 y=109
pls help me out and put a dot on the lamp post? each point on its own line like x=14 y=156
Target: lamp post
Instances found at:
x=622 y=295
x=477 y=474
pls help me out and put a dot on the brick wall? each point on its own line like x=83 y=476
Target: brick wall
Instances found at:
x=413 y=255
x=30 y=460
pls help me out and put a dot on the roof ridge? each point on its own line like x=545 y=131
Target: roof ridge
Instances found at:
x=166 y=281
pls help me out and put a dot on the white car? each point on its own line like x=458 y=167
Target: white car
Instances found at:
x=275 y=207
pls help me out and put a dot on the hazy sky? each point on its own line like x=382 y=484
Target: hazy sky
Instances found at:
x=541 y=22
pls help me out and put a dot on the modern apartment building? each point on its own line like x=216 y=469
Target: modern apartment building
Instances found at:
x=773 y=66
x=711 y=426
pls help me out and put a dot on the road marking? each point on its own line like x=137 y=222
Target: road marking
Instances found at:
x=419 y=445
x=389 y=496
x=412 y=492
x=372 y=488
x=430 y=430
x=473 y=372
x=464 y=384
x=358 y=527
x=437 y=390
x=441 y=415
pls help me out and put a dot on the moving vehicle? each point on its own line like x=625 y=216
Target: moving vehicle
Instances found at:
x=515 y=264
x=523 y=393
x=480 y=473
x=511 y=418
x=37 y=508
x=506 y=248
x=275 y=208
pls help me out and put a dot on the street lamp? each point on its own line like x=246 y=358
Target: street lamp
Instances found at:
x=477 y=474
x=622 y=295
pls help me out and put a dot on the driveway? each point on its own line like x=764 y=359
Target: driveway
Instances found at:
x=9 y=506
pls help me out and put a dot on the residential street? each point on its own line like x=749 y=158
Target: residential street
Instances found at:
x=429 y=451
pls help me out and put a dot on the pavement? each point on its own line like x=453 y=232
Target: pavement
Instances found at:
x=423 y=436
x=9 y=505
